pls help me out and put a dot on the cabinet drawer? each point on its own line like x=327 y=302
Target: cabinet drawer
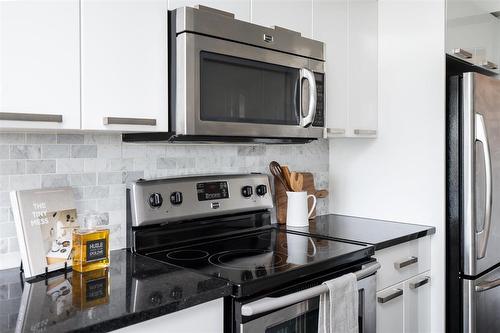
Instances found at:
x=403 y=261
x=390 y=309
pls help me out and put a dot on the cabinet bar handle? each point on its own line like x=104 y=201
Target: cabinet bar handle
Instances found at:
x=49 y=118
x=365 y=132
x=462 y=53
x=384 y=299
x=406 y=262
x=489 y=65
x=335 y=131
x=419 y=283
x=129 y=121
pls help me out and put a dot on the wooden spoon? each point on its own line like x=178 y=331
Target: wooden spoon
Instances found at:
x=286 y=174
x=296 y=181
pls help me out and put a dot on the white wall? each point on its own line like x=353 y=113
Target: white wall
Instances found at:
x=400 y=175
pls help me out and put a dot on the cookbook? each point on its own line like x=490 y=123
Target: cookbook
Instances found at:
x=45 y=220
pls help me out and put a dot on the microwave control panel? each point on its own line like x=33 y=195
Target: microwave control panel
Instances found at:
x=319 y=118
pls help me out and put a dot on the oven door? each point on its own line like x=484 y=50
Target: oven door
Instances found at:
x=303 y=317
x=226 y=88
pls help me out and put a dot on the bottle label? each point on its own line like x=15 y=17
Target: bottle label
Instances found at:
x=96 y=289
x=96 y=250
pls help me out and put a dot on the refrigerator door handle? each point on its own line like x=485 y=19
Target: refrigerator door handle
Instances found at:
x=483 y=235
x=487 y=285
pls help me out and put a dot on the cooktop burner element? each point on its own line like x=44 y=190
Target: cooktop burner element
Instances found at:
x=248 y=259
x=187 y=255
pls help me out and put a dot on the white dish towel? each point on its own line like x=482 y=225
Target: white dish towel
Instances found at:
x=338 y=308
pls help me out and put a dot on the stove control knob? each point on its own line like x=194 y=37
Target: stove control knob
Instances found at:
x=155 y=200
x=247 y=191
x=261 y=190
x=176 y=198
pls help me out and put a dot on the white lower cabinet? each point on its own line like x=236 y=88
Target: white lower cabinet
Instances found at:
x=405 y=307
x=207 y=317
x=390 y=309
x=403 y=287
x=417 y=299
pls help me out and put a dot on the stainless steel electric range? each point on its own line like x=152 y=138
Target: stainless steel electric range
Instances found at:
x=220 y=225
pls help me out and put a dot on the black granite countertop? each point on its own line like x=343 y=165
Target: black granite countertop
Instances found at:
x=133 y=289
x=381 y=234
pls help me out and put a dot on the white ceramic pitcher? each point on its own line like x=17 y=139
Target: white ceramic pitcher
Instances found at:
x=296 y=212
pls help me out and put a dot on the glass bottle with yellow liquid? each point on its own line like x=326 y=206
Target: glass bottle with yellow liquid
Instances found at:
x=91 y=244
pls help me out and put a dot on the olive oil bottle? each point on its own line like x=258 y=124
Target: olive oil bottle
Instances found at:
x=90 y=289
x=91 y=245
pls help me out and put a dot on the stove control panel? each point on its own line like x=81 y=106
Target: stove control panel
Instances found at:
x=212 y=190
x=184 y=198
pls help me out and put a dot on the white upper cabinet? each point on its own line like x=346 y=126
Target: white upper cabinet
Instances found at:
x=39 y=64
x=124 y=65
x=330 y=26
x=294 y=15
x=472 y=31
x=363 y=68
x=349 y=28
x=240 y=8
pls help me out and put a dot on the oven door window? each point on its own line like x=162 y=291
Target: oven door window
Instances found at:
x=305 y=323
x=246 y=91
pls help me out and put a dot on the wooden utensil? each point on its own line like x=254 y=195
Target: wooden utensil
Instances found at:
x=286 y=174
x=277 y=172
x=296 y=181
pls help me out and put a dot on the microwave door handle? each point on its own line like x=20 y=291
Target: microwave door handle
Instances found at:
x=483 y=235
x=272 y=303
x=306 y=74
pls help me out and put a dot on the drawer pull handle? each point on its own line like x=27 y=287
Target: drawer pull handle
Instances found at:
x=365 y=132
x=489 y=65
x=384 y=299
x=406 y=262
x=335 y=131
x=419 y=283
x=129 y=121
x=49 y=118
x=461 y=53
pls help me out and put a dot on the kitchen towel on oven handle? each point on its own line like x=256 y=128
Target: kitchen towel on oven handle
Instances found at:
x=338 y=308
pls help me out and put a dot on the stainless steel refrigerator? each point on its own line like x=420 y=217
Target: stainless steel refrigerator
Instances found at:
x=473 y=204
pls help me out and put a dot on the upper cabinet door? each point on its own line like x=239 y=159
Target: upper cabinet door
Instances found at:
x=240 y=8
x=124 y=65
x=363 y=68
x=472 y=32
x=330 y=26
x=39 y=64
x=349 y=28
x=294 y=15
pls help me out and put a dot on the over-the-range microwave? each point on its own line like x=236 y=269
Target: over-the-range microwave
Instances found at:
x=231 y=80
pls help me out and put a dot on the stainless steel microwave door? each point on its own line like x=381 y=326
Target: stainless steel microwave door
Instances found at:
x=234 y=89
x=481 y=173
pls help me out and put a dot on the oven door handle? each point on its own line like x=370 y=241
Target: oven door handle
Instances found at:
x=306 y=74
x=272 y=303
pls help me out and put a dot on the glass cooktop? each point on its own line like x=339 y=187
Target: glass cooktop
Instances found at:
x=259 y=261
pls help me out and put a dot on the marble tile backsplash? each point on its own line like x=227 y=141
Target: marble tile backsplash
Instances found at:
x=98 y=167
